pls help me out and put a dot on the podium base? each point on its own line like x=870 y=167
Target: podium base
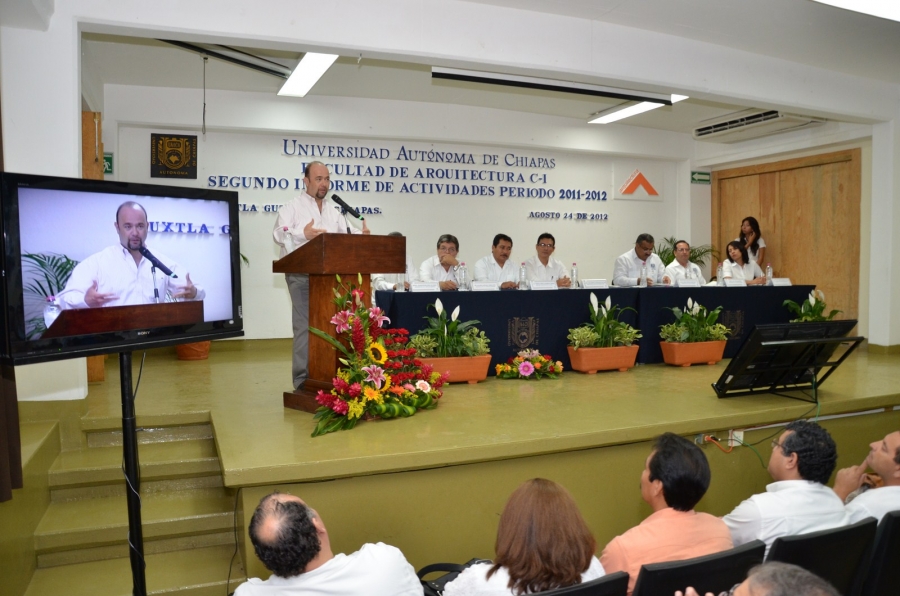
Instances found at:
x=304 y=399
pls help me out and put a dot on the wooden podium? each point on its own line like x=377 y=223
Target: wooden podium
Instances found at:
x=322 y=258
x=81 y=321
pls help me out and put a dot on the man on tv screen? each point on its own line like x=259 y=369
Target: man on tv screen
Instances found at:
x=128 y=273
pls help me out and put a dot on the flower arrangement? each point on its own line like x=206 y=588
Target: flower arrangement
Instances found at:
x=694 y=323
x=381 y=377
x=605 y=329
x=812 y=309
x=529 y=364
x=443 y=338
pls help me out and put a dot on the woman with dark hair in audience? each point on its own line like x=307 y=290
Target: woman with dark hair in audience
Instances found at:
x=738 y=266
x=542 y=544
x=752 y=240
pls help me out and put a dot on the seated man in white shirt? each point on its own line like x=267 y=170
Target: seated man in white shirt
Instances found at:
x=442 y=267
x=395 y=281
x=497 y=266
x=627 y=271
x=543 y=267
x=290 y=539
x=798 y=502
x=123 y=274
x=681 y=267
x=884 y=460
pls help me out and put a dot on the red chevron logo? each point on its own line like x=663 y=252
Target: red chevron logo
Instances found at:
x=637 y=180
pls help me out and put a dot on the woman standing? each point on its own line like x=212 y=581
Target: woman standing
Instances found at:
x=752 y=240
x=738 y=266
x=542 y=544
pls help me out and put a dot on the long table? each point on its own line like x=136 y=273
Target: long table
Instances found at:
x=515 y=320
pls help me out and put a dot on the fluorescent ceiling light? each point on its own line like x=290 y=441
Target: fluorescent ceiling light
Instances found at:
x=619 y=112
x=308 y=72
x=885 y=9
x=677 y=98
x=508 y=80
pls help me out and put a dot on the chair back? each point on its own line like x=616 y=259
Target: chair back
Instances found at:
x=710 y=573
x=835 y=555
x=884 y=571
x=614 y=584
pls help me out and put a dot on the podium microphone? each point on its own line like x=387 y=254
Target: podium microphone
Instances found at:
x=347 y=208
x=156 y=263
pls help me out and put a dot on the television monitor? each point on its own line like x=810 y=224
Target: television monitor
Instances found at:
x=786 y=356
x=62 y=234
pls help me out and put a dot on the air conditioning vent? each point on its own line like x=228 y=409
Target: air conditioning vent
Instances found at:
x=751 y=124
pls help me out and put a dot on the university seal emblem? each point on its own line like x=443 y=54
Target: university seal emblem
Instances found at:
x=523 y=331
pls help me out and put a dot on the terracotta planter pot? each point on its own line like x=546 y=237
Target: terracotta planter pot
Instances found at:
x=686 y=354
x=590 y=360
x=463 y=369
x=195 y=351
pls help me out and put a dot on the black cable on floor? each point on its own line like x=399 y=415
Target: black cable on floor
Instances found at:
x=231 y=563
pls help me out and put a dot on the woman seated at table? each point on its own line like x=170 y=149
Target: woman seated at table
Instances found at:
x=542 y=544
x=739 y=266
x=751 y=239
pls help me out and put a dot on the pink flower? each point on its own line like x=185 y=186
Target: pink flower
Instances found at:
x=376 y=315
x=354 y=390
x=339 y=384
x=323 y=398
x=375 y=374
x=341 y=321
x=340 y=406
x=423 y=386
x=409 y=387
x=526 y=368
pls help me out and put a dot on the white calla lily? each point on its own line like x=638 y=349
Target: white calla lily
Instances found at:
x=594 y=302
x=455 y=314
x=438 y=306
x=603 y=310
x=608 y=302
x=812 y=298
x=690 y=304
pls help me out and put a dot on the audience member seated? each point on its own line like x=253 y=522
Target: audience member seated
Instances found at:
x=543 y=267
x=751 y=239
x=290 y=539
x=867 y=495
x=681 y=267
x=442 y=267
x=798 y=502
x=627 y=271
x=395 y=281
x=738 y=266
x=542 y=544
x=777 y=579
x=675 y=478
x=497 y=266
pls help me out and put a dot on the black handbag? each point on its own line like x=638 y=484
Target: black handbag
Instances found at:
x=435 y=587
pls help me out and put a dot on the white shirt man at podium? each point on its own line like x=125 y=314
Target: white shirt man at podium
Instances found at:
x=122 y=274
x=300 y=220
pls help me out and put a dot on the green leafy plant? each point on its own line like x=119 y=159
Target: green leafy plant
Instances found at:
x=694 y=323
x=605 y=329
x=812 y=309
x=444 y=339
x=44 y=275
x=699 y=254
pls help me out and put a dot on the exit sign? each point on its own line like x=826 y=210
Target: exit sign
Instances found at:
x=700 y=177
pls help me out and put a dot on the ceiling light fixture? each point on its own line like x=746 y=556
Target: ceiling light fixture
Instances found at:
x=507 y=80
x=885 y=9
x=626 y=110
x=307 y=73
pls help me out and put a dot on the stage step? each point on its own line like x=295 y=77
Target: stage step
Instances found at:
x=106 y=435
x=97 y=528
x=196 y=572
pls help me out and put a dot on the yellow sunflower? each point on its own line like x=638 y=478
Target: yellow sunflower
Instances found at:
x=377 y=352
x=372 y=394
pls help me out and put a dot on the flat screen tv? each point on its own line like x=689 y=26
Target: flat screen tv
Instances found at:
x=787 y=356
x=123 y=266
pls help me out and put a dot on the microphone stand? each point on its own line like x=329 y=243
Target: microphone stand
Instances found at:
x=155 y=288
x=346 y=221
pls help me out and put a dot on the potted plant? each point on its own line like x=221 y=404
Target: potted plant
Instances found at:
x=811 y=310
x=694 y=337
x=381 y=376
x=606 y=343
x=454 y=346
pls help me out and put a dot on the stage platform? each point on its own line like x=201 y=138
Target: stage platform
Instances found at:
x=434 y=484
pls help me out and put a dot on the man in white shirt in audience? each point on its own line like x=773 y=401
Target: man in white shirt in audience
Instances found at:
x=290 y=539
x=543 y=267
x=798 y=502
x=497 y=266
x=395 y=281
x=442 y=267
x=681 y=267
x=627 y=271
x=884 y=460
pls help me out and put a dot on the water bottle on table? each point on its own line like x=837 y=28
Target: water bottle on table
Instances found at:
x=523 y=277
x=643 y=281
x=769 y=274
x=574 y=275
x=51 y=311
